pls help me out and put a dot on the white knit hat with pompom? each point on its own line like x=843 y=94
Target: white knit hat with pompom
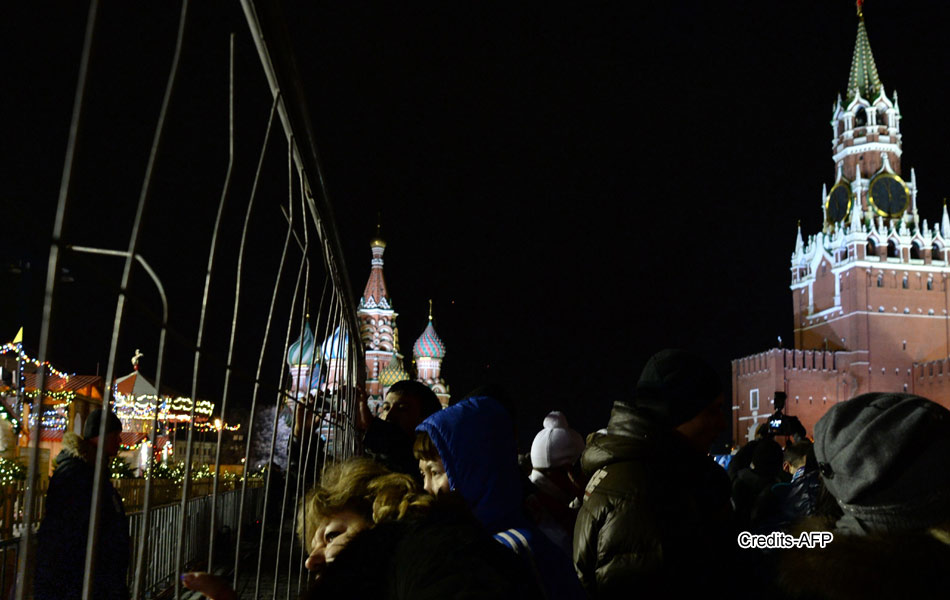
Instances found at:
x=557 y=445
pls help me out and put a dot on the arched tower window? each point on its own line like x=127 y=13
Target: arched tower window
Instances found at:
x=915 y=251
x=937 y=252
x=892 y=250
x=871 y=249
x=860 y=117
x=880 y=280
x=882 y=117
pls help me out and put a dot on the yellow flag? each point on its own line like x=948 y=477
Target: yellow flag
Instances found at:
x=19 y=336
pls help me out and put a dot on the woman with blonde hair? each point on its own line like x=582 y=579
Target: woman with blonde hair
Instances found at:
x=352 y=496
x=371 y=533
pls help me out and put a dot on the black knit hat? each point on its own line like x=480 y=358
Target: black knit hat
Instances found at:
x=886 y=459
x=94 y=422
x=675 y=386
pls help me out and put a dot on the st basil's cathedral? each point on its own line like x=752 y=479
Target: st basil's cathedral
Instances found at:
x=385 y=363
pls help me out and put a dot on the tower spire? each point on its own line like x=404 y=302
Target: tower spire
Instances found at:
x=864 y=80
x=945 y=221
x=430 y=309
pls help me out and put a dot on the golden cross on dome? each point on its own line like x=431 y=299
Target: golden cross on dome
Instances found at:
x=859 y=4
x=430 y=309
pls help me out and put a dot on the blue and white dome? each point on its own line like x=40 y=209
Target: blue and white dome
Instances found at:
x=302 y=351
x=335 y=346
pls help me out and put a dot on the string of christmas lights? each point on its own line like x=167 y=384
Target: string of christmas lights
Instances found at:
x=216 y=426
x=64 y=396
x=11 y=471
x=18 y=349
x=5 y=414
x=53 y=420
x=142 y=407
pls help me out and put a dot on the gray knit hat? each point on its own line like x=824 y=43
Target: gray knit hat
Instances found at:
x=886 y=459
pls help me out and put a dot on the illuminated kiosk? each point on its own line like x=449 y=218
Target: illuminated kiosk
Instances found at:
x=135 y=401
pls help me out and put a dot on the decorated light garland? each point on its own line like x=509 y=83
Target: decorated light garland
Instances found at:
x=11 y=471
x=54 y=420
x=18 y=349
x=215 y=426
x=64 y=396
x=5 y=414
x=143 y=407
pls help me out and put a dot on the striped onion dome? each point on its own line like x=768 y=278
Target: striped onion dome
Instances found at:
x=335 y=345
x=429 y=344
x=393 y=372
x=302 y=351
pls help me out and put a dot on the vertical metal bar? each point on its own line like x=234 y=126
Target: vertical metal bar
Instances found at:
x=186 y=487
x=296 y=408
x=234 y=315
x=257 y=377
x=299 y=406
x=141 y=546
x=100 y=465
x=280 y=396
x=24 y=574
x=313 y=429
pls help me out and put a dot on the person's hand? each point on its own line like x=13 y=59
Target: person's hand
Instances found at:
x=304 y=417
x=212 y=586
x=363 y=413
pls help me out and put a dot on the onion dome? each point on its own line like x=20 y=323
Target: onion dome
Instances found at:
x=393 y=372
x=429 y=344
x=335 y=345
x=302 y=352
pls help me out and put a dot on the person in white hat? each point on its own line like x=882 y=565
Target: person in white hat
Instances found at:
x=559 y=483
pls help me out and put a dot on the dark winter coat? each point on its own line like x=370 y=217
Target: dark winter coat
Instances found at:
x=442 y=555
x=61 y=549
x=788 y=503
x=748 y=490
x=656 y=513
x=475 y=439
x=908 y=565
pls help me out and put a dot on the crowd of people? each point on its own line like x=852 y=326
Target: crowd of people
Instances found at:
x=439 y=506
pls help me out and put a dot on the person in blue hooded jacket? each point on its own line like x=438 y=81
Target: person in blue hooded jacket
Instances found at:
x=469 y=448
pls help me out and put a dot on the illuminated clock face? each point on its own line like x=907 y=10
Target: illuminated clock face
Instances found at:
x=838 y=204
x=889 y=196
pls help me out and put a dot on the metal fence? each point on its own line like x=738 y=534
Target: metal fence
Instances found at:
x=160 y=561
x=306 y=281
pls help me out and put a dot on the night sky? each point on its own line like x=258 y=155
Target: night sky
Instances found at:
x=575 y=187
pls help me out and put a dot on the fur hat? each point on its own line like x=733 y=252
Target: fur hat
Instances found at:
x=675 y=386
x=557 y=445
x=94 y=422
x=885 y=457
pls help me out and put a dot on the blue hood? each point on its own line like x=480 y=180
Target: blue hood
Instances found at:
x=476 y=441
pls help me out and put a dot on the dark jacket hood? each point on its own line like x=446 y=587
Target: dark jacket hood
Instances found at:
x=475 y=439
x=630 y=434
